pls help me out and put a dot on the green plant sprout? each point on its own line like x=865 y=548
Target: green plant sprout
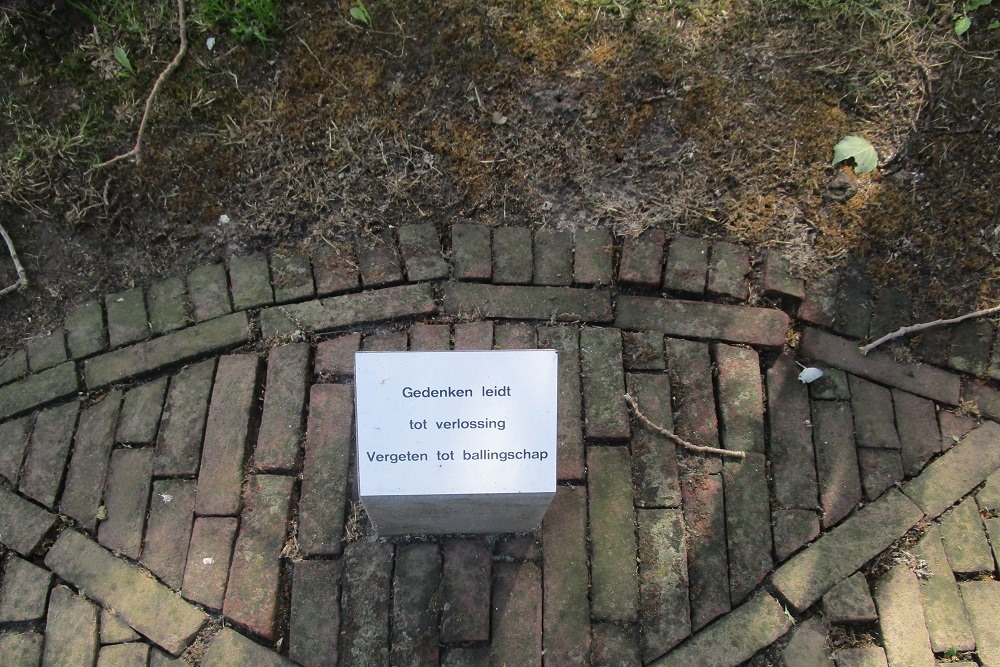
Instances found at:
x=123 y=60
x=964 y=22
x=858 y=150
x=360 y=13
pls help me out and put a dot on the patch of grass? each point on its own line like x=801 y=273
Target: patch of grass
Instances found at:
x=247 y=20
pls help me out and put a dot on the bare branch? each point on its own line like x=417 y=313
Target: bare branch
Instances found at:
x=676 y=439
x=22 y=277
x=914 y=328
x=136 y=151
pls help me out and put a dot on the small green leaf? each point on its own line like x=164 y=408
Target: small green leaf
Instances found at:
x=123 y=60
x=360 y=13
x=994 y=25
x=102 y=513
x=857 y=149
x=962 y=25
x=973 y=5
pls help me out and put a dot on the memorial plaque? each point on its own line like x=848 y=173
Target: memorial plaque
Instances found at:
x=456 y=442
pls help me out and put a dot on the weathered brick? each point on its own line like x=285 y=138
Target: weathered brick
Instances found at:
x=142 y=602
x=988 y=497
x=417 y=598
x=934 y=345
x=855 y=303
x=158 y=658
x=168 y=531
x=126 y=500
x=385 y=341
x=515 y=336
x=863 y=656
x=603 y=384
x=880 y=469
x=212 y=337
x=518 y=548
x=335 y=357
x=728 y=266
x=116 y=631
x=553 y=257
x=741 y=398
x=901 y=618
x=747 y=509
x=965 y=540
x=792 y=457
x=873 y=415
x=126 y=317
x=836 y=460
x=178 y=447
x=25 y=591
x=984 y=397
x=970 y=346
x=917 y=426
x=594 y=257
x=892 y=311
x=654 y=456
x=566 y=620
x=250 y=282
x=421 y=250
x=707 y=561
x=13 y=366
x=88 y=467
x=47 y=351
x=919 y=379
x=516 y=625
x=957 y=471
x=944 y=613
x=642 y=260
x=954 y=426
x=793 y=529
x=208 y=557
x=512 y=255
x=993 y=370
x=325 y=470
x=208 y=287
x=124 y=655
x=255 y=575
x=694 y=319
x=292 y=278
x=832 y=386
x=46 y=458
x=643 y=351
x=365 y=603
x=378 y=260
x=314 y=624
x=614 y=585
x=694 y=401
x=38 y=389
x=466 y=656
x=21 y=649
x=141 y=410
x=85 y=332
x=168 y=306
x=70 y=630
x=778 y=280
x=284 y=400
x=430 y=337
x=220 y=476
x=663 y=581
x=23 y=525
x=850 y=601
x=335 y=269
x=759 y=622
x=687 y=266
x=842 y=551
x=369 y=307
x=474 y=336
x=230 y=648
x=562 y=304
x=982 y=599
x=808 y=644
x=471 y=257
x=614 y=645
x=467 y=574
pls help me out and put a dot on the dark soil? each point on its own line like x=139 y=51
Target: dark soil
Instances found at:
x=713 y=118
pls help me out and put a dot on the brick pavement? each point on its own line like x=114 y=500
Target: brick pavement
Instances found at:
x=177 y=480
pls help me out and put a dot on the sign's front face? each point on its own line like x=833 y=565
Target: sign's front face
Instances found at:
x=456 y=423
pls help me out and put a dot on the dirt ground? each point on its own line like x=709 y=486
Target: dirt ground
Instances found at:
x=712 y=117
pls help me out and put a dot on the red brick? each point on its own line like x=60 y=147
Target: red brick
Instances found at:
x=474 y=336
x=741 y=399
x=208 y=559
x=728 y=267
x=430 y=337
x=38 y=389
x=255 y=575
x=471 y=257
x=642 y=260
x=23 y=525
x=643 y=351
x=475 y=300
x=220 y=479
x=385 y=341
x=140 y=415
x=516 y=626
x=654 y=457
x=231 y=648
x=168 y=531
x=46 y=457
x=292 y=278
x=695 y=319
x=778 y=280
x=874 y=422
x=335 y=269
x=663 y=574
x=607 y=416
x=467 y=570
x=687 y=266
x=512 y=256
x=747 y=510
x=335 y=357
x=378 y=260
x=13 y=366
x=25 y=591
x=553 y=257
x=284 y=400
x=836 y=460
x=417 y=597
x=127 y=321
x=614 y=645
x=820 y=304
x=694 y=400
x=178 y=446
x=126 y=499
x=984 y=397
x=250 y=282
x=515 y=336
x=85 y=331
x=792 y=457
x=569 y=428
x=314 y=625
x=593 y=257
x=365 y=603
x=47 y=351
x=855 y=303
x=917 y=426
x=614 y=583
x=707 y=561
x=13 y=444
x=566 y=579
x=81 y=497
x=324 y=475
x=793 y=529
x=208 y=287
x=70 y=630
x=124 y=655
x=421 y=251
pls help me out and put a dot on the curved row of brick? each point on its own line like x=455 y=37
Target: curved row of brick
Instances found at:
x=229 y=478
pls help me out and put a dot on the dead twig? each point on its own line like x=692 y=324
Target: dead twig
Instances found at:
x=676 y=439
x=136 y=151
x=22 y=277
x=914 y=328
